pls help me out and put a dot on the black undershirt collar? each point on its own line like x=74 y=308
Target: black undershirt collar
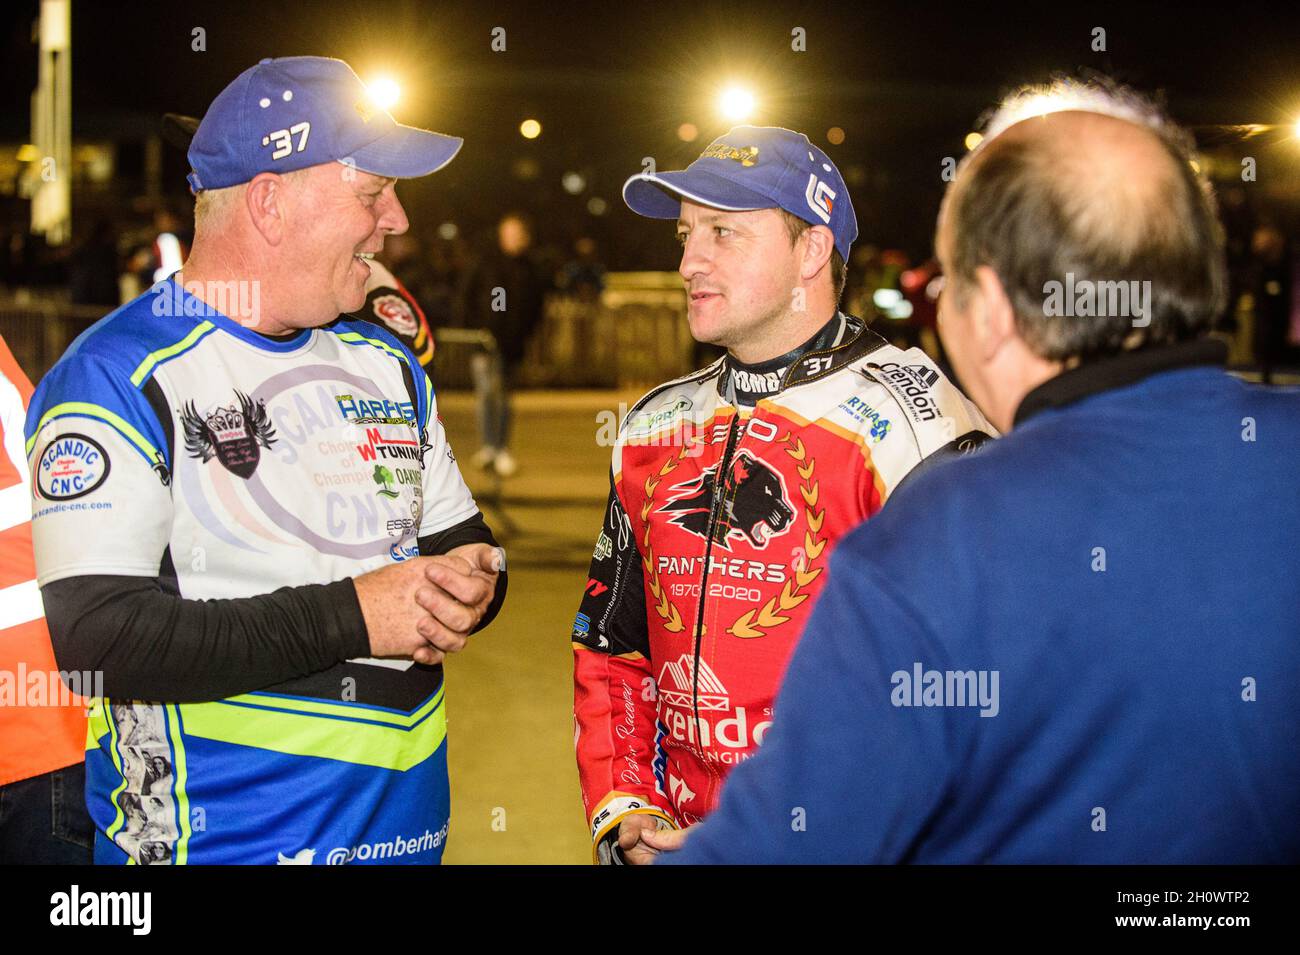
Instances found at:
x=744 y=385
x=1118 y=371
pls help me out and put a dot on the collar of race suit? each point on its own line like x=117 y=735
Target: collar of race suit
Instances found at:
x=745 y=384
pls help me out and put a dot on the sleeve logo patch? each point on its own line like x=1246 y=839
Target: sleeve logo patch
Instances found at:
x=71 y=466
x=395 y=312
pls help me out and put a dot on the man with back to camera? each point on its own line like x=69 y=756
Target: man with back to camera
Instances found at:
x=735 y=482
x=1078 y=645
x=247 y=513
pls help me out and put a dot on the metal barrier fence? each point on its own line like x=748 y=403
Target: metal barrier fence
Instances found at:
x=633 y=336
x=39 y=331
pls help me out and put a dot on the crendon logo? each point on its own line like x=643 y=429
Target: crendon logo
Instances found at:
x=912 y=384
x=820 y=197
x=754 y=506
x=675 y=685
x=395 y=312
x=234 y=436
x=71 y=466
x=720 y=726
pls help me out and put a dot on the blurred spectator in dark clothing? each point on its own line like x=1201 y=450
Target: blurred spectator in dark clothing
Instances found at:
x=1238 y=230
x=1271 y=290
x=502 y=293
x=29 y=261
x=584 y=275
x=404 y=255
x=93 y=267
x=442 y=283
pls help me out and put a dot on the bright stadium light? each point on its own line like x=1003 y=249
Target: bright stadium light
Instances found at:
x=385 y=91
x=530 y=129
x=973 y=140
x=736 y=103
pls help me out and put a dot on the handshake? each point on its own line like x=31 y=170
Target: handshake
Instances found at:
x=426 y=607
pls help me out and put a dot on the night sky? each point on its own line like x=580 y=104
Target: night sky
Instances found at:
x=611 y=83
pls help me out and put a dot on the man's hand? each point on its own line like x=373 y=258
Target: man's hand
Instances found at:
x=641 y=839
x=665 y=840
x=459 y=587
x=392 y=615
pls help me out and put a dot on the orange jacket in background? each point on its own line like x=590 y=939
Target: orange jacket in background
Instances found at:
x=34 y=739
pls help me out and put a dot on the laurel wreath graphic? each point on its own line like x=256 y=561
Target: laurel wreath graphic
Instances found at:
x=774 y=613
x=664 y=607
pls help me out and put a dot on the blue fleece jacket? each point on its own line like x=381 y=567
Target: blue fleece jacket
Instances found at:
x=1080 y=644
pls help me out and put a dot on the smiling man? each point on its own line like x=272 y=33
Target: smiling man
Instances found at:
x=247 y=515
x=730 y=487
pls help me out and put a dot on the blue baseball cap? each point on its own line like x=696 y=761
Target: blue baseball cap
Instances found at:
x=754 y=167
x=299 y=111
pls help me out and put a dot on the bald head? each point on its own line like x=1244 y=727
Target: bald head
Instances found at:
x=1075 y=196
x=1111 y=176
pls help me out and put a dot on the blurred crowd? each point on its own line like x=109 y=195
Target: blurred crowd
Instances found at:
x=451 y=273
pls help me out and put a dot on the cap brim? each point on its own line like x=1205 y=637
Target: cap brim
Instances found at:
x=179 y=130
x=406 y=153
x=660 y=195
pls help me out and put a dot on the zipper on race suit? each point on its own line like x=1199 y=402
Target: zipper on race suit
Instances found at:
x=715 y=512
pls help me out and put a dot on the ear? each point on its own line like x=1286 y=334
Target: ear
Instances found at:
x=267 y=201
x=819 y=244
x=994 y=318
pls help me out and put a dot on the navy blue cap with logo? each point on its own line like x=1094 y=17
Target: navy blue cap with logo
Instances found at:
x=299 y=111
x=754 y=167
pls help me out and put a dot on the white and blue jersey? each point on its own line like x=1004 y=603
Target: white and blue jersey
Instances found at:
x=170 y=442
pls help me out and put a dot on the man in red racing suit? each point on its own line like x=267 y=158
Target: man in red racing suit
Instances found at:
x=729 y=488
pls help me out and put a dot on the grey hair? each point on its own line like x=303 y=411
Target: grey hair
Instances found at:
x=212 y=207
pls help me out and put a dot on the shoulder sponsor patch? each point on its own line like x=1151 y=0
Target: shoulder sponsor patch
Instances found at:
x=395 y=312
x=911 y=385
x=664 y=414
x=863 y=413
x=71 y=466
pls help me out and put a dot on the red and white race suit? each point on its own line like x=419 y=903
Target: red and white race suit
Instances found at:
x=715 y=544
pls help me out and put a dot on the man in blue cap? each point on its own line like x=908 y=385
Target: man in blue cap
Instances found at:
x=729 y=487
x=247 y=514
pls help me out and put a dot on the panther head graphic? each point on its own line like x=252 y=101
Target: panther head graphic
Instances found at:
x=754 y=505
